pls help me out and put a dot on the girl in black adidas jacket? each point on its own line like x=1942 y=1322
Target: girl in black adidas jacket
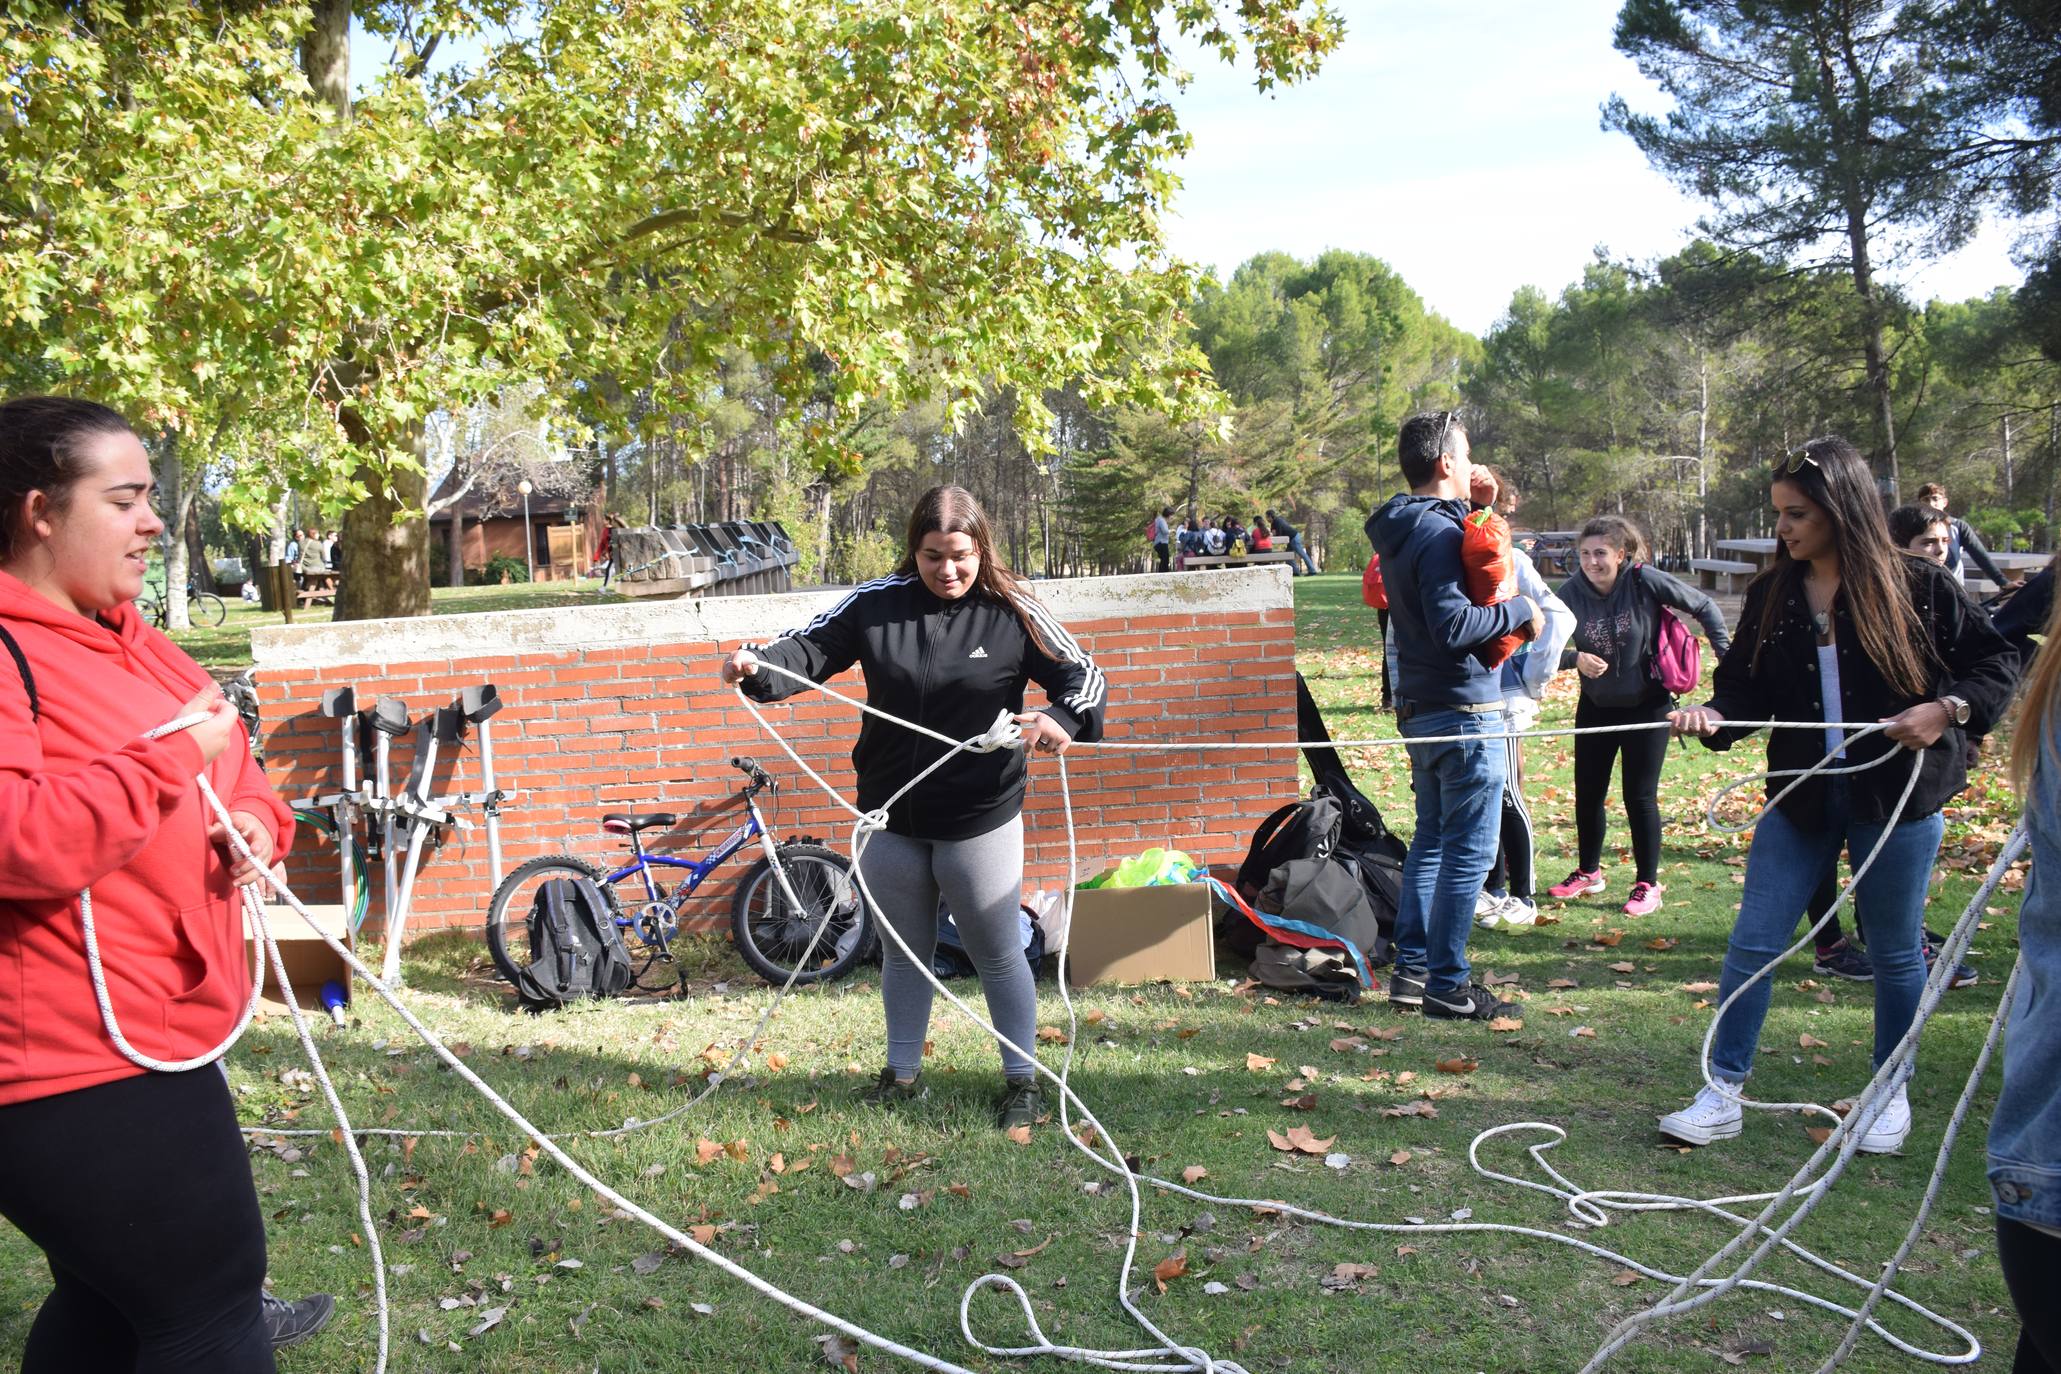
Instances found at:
x=948 y=640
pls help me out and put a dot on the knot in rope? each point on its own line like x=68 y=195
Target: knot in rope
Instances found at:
x=1005 y=733
x=872 y=821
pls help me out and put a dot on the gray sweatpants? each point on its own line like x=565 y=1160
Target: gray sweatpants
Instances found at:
x=981 y=880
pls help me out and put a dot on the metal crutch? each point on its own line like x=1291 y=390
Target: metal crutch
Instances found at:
x=442 y=726
x=389 y=721
x=478 y=705
x=341 y=704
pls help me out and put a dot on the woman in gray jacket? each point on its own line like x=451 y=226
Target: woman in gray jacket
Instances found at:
x=1617 y=602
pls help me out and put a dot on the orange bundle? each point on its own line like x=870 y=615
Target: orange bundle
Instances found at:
x=1490 y=568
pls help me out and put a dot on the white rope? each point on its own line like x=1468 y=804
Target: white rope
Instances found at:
x=1588 y=1206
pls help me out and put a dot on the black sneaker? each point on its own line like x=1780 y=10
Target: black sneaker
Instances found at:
x=1022 y=1104
x=1962 y=976
x=1406 y=988
x=1471 y=1003
x=290 y=1323
x=1842 y=960
x=889 y=1091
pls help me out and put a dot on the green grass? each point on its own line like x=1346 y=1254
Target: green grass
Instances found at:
x=226 y=647
x=1167 y=1070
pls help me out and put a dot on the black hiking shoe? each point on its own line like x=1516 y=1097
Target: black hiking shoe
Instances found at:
x=1406 y=988
x=1471 y=1003
x=889 y=1091
x=1022 y=1104
x=290 y=1323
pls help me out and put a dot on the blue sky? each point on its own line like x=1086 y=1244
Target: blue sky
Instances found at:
x=1460 y=142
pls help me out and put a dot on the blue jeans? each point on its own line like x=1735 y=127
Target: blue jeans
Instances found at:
x=1459 y=810
x=1295 y=547
x=1784 y=866
x=2025 y=1132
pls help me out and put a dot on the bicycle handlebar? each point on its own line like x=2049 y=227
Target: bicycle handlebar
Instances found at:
x=760 y=778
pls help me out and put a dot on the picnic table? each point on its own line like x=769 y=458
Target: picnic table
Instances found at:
x=1183 y=562
x=1759 y=551
x=319 y=586
x=2021 y=562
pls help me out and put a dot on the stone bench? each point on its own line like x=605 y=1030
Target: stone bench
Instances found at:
x=1709 y=570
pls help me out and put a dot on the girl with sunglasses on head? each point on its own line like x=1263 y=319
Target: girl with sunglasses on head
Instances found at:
x=1842 y=627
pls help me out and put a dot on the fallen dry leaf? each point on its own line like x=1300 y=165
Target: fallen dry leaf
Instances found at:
x=776 y=1061
x=1194 y=1173
x=1399 y=1157
x=737 y=1149
x=1625 y=1278
x=1299 y=1139
x=1052 y=1035
x=1258 y=1063
x=1562 y=983
x=1699 y=987
x=1811 y=1042
x=1347 y=1043
x=1818 y=1134
x=1020 y=1134
x=1306 y=1103
x=1662 y=942
x=703 y=1234
x=1172 y=1267
x=501 y=1217
x=1459 y=1064
x=1624 y=966
x=1507 y=1023
x=1608 y=938
x=706 y=1150
x=1561 y=1010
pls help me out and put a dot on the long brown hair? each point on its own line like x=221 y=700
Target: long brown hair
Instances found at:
x=953 y=510
x=1873 y=573
x=2042 y=699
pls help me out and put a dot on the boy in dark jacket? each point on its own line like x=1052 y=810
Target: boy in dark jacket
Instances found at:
x=1443 y=691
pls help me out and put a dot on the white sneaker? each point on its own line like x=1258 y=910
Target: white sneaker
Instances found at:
x=1885 y=1135
x=1714 y=1115
x=1485 y=906
x=1517 y=911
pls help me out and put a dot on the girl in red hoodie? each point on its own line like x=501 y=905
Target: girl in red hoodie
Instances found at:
x=135 y=1184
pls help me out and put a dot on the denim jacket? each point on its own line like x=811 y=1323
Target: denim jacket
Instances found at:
x=2025 y=1133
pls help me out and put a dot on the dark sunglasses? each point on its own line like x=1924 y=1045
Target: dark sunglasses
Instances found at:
x=1445 y=427
x=1794 y=462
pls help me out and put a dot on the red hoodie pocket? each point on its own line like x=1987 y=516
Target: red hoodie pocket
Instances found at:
x=211 y=976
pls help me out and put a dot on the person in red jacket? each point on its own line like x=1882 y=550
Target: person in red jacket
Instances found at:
x=134 y=1183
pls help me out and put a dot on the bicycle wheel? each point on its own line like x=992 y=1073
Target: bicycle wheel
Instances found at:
x=772 y=933
x=152 y=613
x=508 y=914
x=205 y=608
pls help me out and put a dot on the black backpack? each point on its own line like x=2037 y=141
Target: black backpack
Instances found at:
x=576 y=951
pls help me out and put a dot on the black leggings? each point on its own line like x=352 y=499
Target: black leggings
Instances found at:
x=139 y=1194
x=2030 y=1259
x=1512 y=870
x=1594 y=755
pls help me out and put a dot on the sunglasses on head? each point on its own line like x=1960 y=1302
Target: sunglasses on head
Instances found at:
x=1794 y=462
x=1445 y=427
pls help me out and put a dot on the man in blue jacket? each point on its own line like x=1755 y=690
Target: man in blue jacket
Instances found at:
x=1444 y=691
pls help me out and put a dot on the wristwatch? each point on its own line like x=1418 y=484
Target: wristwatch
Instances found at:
x=1956 y=709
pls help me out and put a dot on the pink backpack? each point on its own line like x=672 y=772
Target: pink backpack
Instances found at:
x=1677 y=653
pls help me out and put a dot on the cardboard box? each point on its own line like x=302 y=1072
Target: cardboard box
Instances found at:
x=1142 y=935
x=309 y=962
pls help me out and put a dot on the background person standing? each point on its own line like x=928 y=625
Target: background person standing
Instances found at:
x=1444 y=693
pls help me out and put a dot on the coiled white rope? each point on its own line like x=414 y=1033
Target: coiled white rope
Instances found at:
x=1588 y=1206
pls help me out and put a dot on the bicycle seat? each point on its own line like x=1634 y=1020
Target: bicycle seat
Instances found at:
x=629 y=822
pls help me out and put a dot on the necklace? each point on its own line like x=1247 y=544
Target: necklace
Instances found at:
x=1822 y=621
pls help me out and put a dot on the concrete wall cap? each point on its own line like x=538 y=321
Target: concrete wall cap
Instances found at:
x=751 y=618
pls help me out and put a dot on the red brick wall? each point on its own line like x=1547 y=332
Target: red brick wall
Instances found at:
x=646 y=727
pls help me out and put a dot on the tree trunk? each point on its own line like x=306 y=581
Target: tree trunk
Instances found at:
x=457 y=563
x=177 y=495
x=1703 y=458
x=385 y=552
x=326 y=54
x=198 y=568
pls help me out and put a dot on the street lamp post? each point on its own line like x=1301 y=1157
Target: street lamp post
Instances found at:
x=529 y=536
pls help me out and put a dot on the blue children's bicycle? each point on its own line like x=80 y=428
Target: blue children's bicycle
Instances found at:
x=772 y=932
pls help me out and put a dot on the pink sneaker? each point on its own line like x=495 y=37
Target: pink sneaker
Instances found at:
x=1580 y=883
x=1645 y=898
